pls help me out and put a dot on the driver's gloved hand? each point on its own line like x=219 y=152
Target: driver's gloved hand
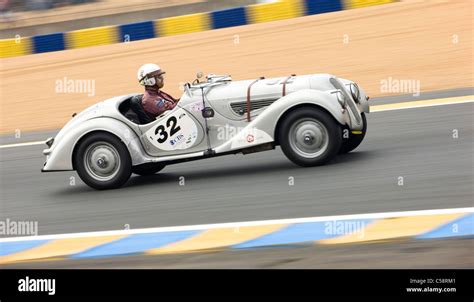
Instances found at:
x=169 y=105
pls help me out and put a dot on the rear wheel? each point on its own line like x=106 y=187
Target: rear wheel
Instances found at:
x=102 y=161
x=147 y=169
x=353 y=140
x=310 y=137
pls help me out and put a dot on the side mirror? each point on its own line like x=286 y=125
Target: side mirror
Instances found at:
x=207 y=112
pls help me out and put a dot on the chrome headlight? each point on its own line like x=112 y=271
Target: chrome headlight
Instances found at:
x=355 y=92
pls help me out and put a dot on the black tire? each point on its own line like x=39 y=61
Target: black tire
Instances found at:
x=310 y=122
x=103 y=151
x=354 y=140
x=147 y=169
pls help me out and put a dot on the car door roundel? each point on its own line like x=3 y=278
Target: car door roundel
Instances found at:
x=176 y=131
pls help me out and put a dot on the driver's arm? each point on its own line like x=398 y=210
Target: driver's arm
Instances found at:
x=169 y=96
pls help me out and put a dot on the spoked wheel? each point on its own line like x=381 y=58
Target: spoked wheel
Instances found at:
x=310 y=137
x=102 y=161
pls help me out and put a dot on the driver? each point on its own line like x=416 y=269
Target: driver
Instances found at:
x=154 y=100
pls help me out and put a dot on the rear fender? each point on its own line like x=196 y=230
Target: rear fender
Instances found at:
x=60 y=155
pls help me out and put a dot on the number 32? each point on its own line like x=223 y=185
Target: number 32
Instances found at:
x=161 y=131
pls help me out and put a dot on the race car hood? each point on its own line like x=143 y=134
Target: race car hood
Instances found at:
x=271 y=88
x=229 y=98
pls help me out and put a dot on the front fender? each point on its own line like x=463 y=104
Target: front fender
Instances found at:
x=267 y=120
x=59 y=156
x=263 y=127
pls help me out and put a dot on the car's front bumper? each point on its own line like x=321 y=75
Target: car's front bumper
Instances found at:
x=352 y=107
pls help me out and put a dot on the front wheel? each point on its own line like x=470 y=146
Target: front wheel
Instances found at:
x=103 y=161
x=310 y=137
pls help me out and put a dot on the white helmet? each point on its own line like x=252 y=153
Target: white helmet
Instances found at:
x=144 y=73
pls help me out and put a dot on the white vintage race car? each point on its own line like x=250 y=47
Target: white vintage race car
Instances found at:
x=312 y=117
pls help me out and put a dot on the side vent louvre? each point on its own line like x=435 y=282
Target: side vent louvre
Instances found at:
x=241 y=107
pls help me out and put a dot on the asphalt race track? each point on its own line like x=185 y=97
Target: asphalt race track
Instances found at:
x=416 y=144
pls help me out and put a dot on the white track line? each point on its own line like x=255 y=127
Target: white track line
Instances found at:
x=242 y=224
x=22 y=144
x=375 y=110
x=420 y=106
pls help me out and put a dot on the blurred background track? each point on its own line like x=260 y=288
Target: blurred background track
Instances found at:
x=408 y=40
x=429 y=41
x=104 y=13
